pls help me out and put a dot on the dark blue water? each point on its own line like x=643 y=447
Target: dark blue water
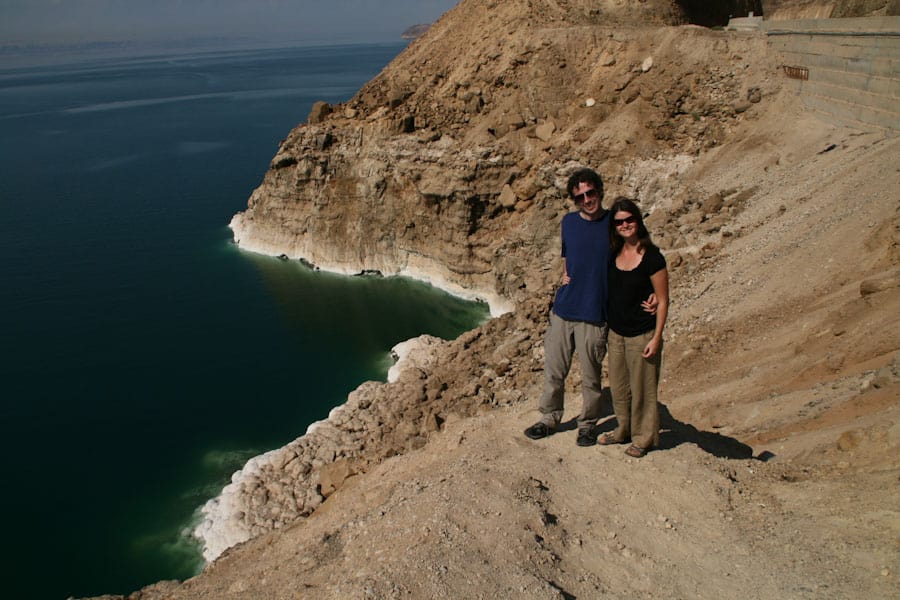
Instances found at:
x=145 y=357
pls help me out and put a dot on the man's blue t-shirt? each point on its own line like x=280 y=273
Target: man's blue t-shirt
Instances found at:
x=585 y=246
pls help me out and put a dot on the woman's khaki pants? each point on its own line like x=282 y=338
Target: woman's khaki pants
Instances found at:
x=633 y=381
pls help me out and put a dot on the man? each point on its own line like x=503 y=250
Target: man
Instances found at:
x=578 y=317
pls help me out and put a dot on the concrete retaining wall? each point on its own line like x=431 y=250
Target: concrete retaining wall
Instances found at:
x=852 y=67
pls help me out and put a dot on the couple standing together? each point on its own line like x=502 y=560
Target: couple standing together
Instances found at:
x=615 y=296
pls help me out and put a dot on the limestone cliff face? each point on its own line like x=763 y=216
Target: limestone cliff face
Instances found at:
x=450 y=165
x=349 y=196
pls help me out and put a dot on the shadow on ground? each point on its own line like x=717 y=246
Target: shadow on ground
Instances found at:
x=673 y=433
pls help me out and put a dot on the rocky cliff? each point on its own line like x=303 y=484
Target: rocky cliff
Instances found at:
x=780 y=423
x=447 y=166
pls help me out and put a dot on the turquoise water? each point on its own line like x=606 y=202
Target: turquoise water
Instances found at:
x=144 y=356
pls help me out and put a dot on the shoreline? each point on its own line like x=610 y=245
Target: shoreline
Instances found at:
x=497 y=305
x=221 y=525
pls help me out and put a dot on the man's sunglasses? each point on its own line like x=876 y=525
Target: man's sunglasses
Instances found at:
x=584 y=196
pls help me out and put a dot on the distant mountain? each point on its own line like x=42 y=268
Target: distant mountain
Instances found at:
x=415 y=31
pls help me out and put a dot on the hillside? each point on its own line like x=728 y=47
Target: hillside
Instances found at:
x=781 y=443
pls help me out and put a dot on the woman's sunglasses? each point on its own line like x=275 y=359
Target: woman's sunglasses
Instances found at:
x=629 y=220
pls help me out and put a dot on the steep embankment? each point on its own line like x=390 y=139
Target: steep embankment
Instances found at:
x=782 y=237
x=447 y=165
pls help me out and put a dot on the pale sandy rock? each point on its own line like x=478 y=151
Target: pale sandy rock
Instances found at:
x=333 y=475
x=320 y=110
x=884 y=282
x=507 y=197
x=884 y=378
x=545 y=130
x=417 y=353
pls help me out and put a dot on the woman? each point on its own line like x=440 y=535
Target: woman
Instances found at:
x=637 y=268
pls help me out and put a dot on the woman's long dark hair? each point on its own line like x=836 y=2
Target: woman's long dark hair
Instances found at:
x=616 y=241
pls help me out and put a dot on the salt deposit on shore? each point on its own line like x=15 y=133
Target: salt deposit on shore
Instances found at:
x=423 y=273
x=222 y=525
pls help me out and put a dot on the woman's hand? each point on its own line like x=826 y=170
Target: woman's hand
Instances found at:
x=651 y=348
x=566 y=279
x=660 y=295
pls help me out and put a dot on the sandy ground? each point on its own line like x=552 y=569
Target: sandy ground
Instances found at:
x=778 y=471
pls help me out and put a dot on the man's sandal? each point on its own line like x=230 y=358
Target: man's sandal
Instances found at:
x=635 y=452
x=538 y=431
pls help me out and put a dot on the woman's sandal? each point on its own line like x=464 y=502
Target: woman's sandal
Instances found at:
x=608 y=439
x=635 y=452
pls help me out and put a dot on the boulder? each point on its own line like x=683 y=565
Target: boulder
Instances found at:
x=320 y=110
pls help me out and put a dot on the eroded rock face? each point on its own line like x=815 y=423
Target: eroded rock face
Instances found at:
x=450 y=165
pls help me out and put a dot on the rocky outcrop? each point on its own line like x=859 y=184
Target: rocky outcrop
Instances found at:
x=432 y=383
x=450 y=165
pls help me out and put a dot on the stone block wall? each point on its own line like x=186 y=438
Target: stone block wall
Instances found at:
x=846 y=69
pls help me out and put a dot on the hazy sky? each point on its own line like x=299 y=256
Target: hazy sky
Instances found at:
x=30 y=21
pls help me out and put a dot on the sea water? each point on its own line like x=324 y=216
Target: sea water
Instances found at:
x=144 y=356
